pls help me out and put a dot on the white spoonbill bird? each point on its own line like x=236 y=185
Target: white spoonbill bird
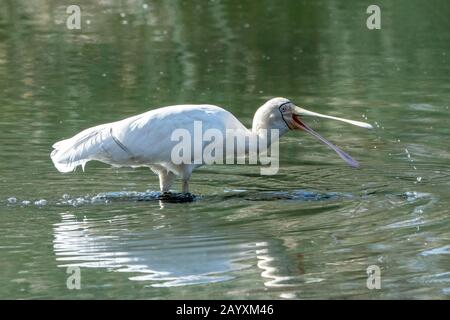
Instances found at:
x=146 y=139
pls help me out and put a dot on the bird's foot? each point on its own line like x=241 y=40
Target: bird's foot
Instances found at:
x=177 y=197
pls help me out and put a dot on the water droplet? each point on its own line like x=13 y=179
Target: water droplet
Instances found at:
x=288 y=295
x=12 y=200
x=40 y=203
x=80 y=201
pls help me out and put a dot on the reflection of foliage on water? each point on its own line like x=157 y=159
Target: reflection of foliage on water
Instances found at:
x=176 y=52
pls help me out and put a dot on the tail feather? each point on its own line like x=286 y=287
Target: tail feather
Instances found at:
x=89 y=144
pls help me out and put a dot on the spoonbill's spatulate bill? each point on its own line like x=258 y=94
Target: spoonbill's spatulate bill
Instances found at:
x=146 y=139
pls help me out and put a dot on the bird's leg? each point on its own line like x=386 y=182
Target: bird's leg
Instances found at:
x=186 y=174
x=166 y=179
x=185 y=186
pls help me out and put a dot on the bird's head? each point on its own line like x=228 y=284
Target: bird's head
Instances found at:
x=282 y=114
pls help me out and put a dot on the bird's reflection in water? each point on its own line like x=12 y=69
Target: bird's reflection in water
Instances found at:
x=166 y=257
x=162 y=259
x=278 y=268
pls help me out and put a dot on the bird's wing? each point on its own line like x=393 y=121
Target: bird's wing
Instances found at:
x=140 y=140
x=96 y=143
x=149 y=136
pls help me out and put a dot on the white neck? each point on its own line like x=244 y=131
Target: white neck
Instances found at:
x=263 y=124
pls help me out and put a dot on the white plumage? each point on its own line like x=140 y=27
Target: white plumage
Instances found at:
x=142 y=140
x=145 y=139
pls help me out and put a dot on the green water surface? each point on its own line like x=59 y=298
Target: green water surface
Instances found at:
x=310 y=231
